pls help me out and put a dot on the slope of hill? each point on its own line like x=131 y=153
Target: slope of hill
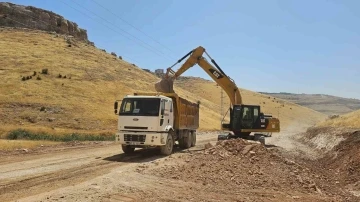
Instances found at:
x=83 y=101
x=337 y=140
x=349 y=120
x=326 y=104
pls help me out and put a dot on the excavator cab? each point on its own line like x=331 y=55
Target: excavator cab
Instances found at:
x=243 y=117
x=246 y=119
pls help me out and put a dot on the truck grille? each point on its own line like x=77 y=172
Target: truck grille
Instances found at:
x=135 y=138
x=136 y=127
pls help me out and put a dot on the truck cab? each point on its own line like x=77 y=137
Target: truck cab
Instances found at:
x=147 y=121
x=145 y=113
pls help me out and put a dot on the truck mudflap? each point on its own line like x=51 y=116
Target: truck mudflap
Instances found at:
x=141 y=138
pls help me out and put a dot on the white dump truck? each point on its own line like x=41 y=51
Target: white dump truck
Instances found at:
x=156 y=120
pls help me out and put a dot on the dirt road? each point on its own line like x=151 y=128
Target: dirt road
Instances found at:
x=100 y=172
x=49 y=175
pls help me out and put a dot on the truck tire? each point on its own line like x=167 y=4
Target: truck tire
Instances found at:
x=193 y=138
x=262 y=140
x=185 y=142
x=127 y=149
x=167 y=149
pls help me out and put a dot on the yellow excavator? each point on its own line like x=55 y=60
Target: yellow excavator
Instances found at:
x=244 y=119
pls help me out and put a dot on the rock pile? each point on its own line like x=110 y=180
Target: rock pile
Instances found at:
x=244 y=165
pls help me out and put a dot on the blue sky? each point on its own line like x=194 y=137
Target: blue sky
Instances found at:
x=288 y=46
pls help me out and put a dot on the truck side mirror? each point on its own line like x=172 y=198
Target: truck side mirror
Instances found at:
x=116 y=107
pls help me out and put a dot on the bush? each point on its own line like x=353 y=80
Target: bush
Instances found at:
x=21 y=134
x=44 y=71
x=334 y=116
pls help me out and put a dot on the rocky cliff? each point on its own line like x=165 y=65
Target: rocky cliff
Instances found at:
x=12 y=15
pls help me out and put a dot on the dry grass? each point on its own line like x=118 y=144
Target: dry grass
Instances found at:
x=350 y=120
x=84 y=103
x=23 y=144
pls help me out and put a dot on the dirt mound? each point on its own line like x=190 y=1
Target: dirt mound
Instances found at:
x=238 y=165
x=339 y=159
x=325 y=139
x=244 y=165
x=344 y=159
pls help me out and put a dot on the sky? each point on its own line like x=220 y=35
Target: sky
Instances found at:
x=268 y=46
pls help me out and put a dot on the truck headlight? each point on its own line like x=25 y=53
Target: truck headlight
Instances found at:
x=162 y=139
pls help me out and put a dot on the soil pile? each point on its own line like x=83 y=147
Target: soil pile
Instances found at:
x=246 y=165
x=344 y=160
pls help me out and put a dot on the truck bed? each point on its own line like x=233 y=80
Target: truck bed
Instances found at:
x=186 y=113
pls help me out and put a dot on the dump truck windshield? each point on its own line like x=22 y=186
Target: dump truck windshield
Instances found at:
x=140 y=107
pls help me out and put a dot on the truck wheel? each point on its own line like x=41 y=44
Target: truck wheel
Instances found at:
x=128 y=149
x=193 y=138
x=262 y=140
x=167 y=149
x=185 y=142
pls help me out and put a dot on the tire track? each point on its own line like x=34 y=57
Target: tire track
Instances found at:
x=46 y=182
x=28 y=185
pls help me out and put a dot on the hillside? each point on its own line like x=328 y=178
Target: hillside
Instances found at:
x=83 y=101
x=349 y=120
x=326 y=104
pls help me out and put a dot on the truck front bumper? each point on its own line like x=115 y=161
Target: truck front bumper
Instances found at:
x=141 y=138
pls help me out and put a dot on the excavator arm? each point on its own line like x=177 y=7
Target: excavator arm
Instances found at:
x=216 y=73
x=244 y=119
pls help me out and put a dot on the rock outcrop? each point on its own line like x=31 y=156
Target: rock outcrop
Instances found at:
x=12 y=15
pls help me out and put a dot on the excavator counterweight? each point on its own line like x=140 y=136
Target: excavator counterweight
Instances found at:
x=244 y=119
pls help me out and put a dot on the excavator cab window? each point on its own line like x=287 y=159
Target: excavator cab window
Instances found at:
x=247 y=118
x=256 y=114
x=250 y=116
x=235 y=120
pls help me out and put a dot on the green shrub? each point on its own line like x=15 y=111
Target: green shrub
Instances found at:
x=21 y=134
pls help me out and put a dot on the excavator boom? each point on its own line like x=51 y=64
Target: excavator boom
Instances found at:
x=216 y=73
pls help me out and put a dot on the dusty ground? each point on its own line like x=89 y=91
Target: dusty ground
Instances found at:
x=240 y=171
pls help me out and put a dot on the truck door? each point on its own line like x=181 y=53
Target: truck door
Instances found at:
x=162 y=112
x=166 y=113
x=170 y=118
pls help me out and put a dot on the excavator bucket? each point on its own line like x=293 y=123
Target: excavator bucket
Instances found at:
x=165 y=85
